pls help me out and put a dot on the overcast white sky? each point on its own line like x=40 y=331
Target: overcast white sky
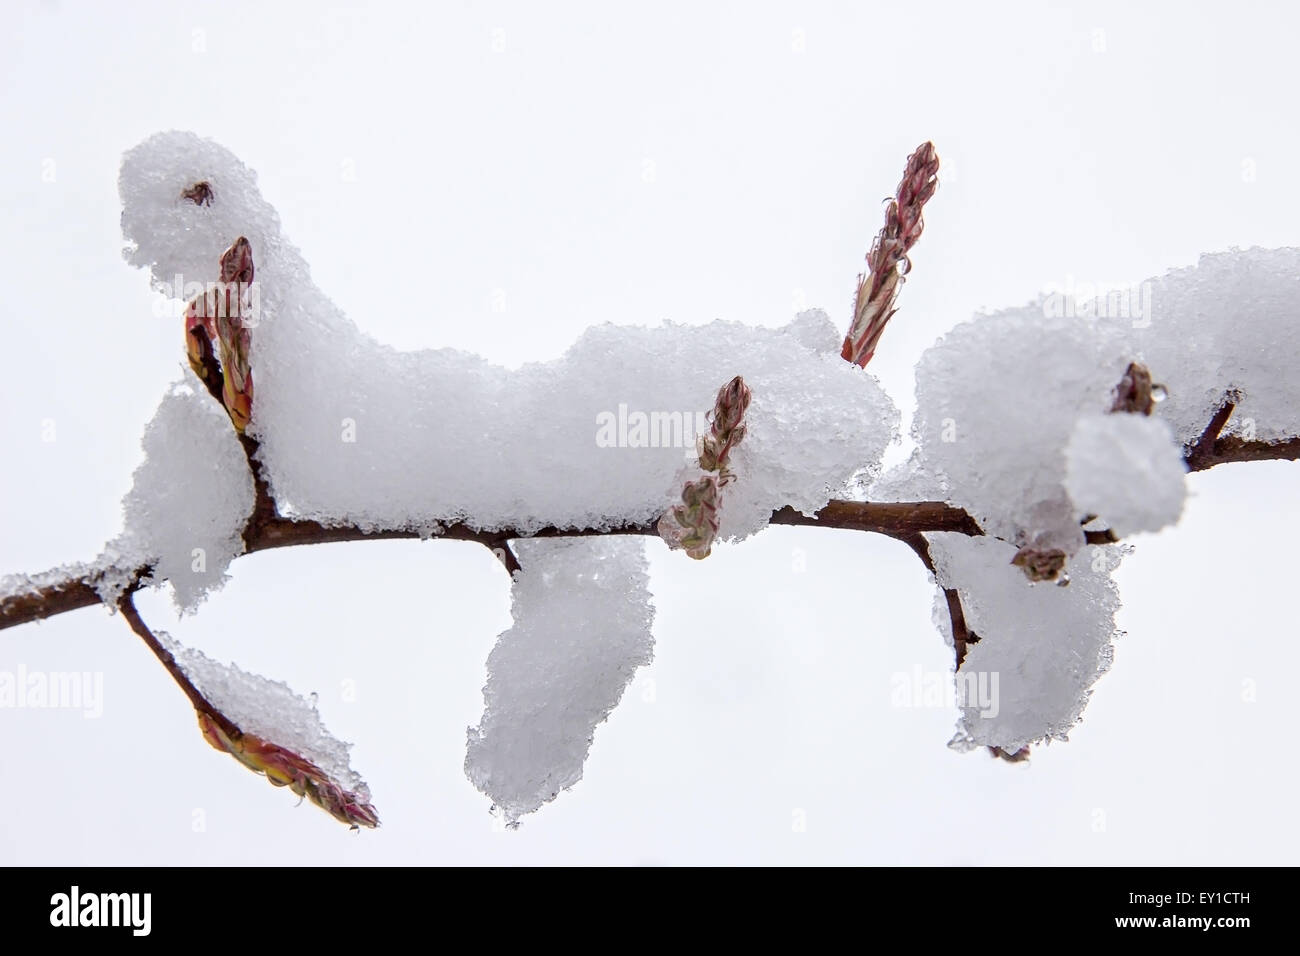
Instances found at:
x=673 y=161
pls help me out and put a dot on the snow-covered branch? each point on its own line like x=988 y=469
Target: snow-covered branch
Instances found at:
x=1029 y=467
x=24 y=599
x=27 y=598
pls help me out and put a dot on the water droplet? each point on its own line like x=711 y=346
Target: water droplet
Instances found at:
x=1159 y=393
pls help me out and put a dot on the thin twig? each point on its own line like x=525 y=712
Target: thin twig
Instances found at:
x=962 y=635
x=1203 y=448
x=264 y=507
x=1214 y=448
x=126 y=604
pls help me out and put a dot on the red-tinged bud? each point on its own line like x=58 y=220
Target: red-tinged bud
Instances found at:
x=226 y=312
x=887 y=262
x=693 y=524
x=728 y=429
x=284 y=768
x=237 y=262
x=730 y=407
x=217 y=343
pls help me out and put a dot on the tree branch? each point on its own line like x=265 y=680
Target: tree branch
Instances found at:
x=58 y=597
x=892 y=518
x=1232 y=448
x=267 y=529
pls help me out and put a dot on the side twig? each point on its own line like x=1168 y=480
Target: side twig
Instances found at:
x=126 y=604
x=1213 y=448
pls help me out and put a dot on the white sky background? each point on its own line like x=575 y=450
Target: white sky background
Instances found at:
x=676 y=162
